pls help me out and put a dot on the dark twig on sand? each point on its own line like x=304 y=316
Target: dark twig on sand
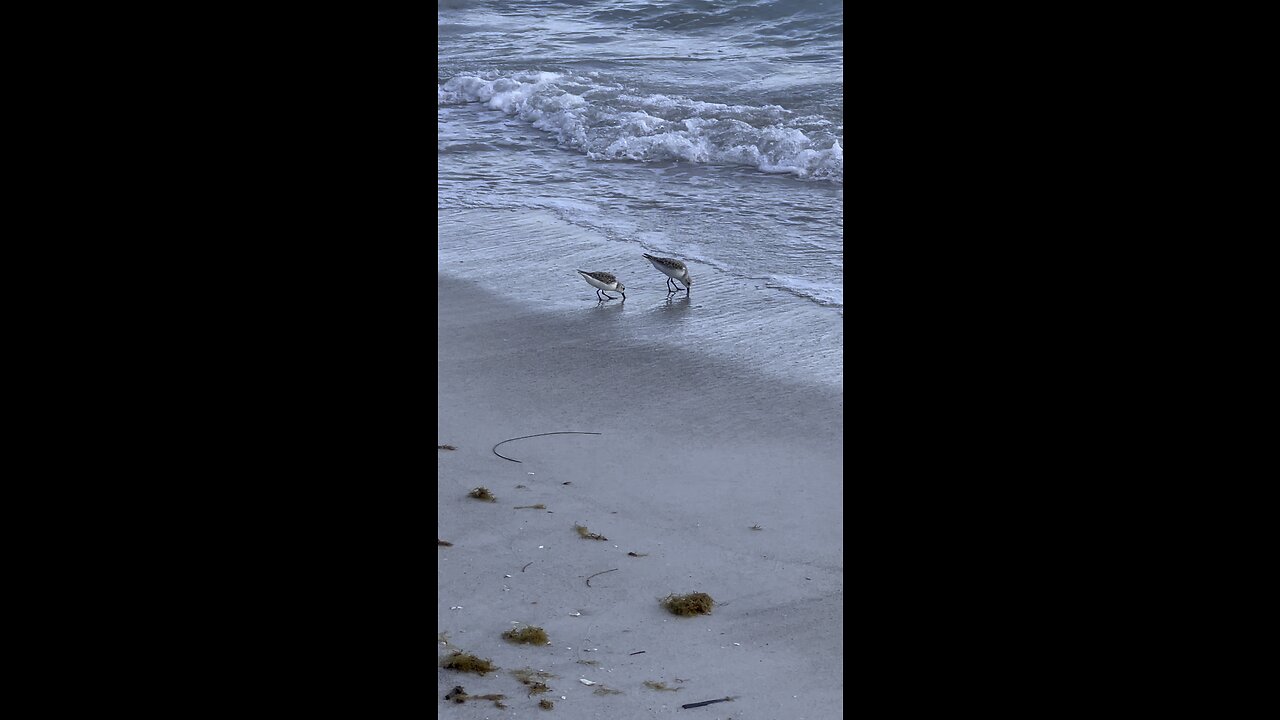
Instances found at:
x=636 y=653
x=526 y=565
x=706 y=702
x=599 y=573
x=562 y=432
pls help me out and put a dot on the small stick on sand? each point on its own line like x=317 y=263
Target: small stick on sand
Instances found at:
x=636 y=653
x=599 y=573
x=526 y=565
x=706 y=702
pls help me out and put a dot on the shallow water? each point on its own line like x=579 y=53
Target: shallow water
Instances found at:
x=581 y=134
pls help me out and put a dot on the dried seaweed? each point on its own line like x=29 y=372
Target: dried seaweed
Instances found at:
x=482 y=493
x=466 y=662
x=698 y=603
x=546 y=704
x=443 y=543
x=446 y=447
x=530 y=678
x=587 y=534
x=537 y=687
x=528 y=635
x=458 y=695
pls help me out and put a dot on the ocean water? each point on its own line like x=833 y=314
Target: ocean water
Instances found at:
x=583 y=133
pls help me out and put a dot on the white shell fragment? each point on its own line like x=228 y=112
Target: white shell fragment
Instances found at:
x=575 y=614
x=586 y=682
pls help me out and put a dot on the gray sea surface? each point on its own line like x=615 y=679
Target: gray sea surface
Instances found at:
x=579 y=134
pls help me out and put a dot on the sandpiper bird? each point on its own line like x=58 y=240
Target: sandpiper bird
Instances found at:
x=603 y=281
x=674 y=270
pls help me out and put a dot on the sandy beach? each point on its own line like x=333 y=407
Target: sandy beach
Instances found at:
x=719 y=478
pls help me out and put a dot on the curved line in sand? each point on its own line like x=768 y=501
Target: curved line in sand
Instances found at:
x=522 y=437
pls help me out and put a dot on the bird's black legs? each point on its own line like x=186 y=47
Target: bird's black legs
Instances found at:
x=609 y=296
x=669 y=288
x=598 y=295
x=624 y=296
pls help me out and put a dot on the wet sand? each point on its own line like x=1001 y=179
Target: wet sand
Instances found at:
x=693 y=452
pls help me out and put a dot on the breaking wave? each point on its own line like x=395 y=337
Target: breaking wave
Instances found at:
x=606 y=123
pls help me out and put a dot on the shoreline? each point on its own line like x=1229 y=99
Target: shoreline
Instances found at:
x=531 y=257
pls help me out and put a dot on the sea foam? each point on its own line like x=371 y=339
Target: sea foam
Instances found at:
x=607 y=123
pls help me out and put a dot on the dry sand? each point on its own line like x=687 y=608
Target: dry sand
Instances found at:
x=692 y=453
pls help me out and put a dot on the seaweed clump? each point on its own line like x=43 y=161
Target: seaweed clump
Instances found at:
x=692 y=604
x=546 y=704
x=446 y=447
x=528 y=635
x=482 y=493
x=466 y=662
x=587 y=534
x=459 y=695
x=527 y=677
